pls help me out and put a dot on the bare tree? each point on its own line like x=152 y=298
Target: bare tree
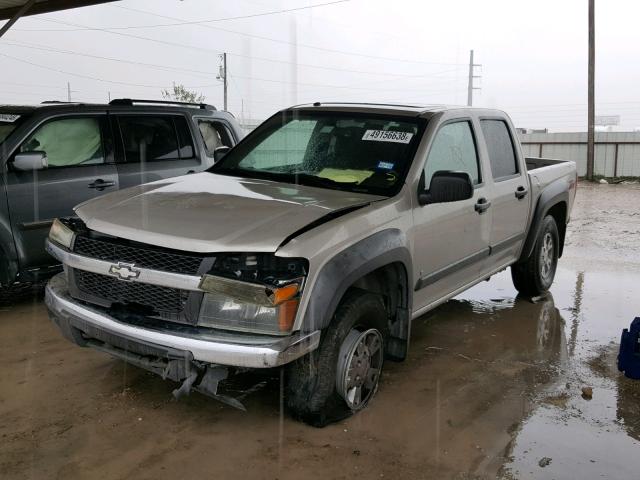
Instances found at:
x=179 y=93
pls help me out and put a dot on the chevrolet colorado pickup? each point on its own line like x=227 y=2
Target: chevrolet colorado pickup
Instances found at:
x=311 y=245
x=56 y=155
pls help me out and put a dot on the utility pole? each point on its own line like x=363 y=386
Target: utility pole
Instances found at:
x=68 y=92
x=591 y=92
x=222 y=75
x=470 y=87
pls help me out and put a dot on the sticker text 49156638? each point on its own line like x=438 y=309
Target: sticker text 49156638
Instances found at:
x=387 y=136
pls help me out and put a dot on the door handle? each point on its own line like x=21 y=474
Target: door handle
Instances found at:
x=521 y=192
x=482 y=205
x=191 y=171
x=100 y=184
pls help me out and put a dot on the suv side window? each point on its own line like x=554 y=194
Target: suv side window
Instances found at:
x=68 y=142
x=500 y=147
x=149 y=138
x=453 y=148
x=214 y=135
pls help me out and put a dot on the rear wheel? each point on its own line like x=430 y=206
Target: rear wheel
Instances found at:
x=535 y=275
x=341 y=376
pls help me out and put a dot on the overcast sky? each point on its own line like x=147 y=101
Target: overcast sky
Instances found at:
x=533 y=54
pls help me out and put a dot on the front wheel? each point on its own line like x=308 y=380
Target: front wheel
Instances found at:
x=535 y=275
x=341 y=376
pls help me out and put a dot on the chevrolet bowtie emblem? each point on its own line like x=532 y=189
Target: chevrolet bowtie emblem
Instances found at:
x=125 y=271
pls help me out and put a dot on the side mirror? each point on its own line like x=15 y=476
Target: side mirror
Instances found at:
x=220 y=152
x=446 y=187
x=30 y=161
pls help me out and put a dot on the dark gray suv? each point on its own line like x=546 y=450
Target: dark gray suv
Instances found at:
x=57 y=155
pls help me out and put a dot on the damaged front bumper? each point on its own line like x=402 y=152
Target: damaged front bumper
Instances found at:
x=198 y=360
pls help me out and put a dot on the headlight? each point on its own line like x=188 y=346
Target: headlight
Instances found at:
x=61 y=234
x=256 y=293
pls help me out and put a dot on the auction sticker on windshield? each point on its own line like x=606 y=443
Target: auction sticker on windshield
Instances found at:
x=387 y=136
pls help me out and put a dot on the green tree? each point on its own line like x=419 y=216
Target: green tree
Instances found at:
x=179 y=93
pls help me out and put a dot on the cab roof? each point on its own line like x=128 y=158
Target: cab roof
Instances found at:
x=384 y=108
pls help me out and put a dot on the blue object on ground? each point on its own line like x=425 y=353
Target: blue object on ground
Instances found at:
x=629 y=355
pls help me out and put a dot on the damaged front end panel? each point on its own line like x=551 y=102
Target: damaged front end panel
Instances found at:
x=169 y=363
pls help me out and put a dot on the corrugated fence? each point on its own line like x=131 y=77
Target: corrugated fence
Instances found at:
x=617 y=153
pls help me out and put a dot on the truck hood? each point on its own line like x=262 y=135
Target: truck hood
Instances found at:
x=207 y=212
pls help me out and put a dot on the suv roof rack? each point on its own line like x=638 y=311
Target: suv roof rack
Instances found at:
x=132 y=101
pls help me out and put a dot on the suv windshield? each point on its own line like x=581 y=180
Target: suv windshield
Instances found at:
x=344 y=151
x=8 y=123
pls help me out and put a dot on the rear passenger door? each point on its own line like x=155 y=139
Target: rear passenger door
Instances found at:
x=152 y=147
x=510 y=191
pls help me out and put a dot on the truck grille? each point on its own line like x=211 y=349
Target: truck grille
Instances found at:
x=159 y=300
x=141 y=256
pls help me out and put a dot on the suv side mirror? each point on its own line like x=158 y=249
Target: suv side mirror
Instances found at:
x=220 y=152
x=30 y=161
x=447 y=186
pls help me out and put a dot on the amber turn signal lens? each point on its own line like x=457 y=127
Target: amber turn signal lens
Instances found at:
x=283 y=294
x=287 y=315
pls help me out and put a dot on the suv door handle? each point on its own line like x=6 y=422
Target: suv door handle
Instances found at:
x=521 y=192
x=482 y=205
x=100 y=184
x=190 y=172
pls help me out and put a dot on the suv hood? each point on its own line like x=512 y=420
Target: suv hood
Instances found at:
x=207 y=212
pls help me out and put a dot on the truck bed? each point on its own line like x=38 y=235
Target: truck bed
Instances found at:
x=534 y=163
x=544 y=171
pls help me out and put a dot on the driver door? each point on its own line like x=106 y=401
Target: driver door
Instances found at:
x=80 y=167
x=450 y=239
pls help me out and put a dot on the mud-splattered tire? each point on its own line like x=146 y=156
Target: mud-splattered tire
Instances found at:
x=535 y=275
x=311 y=391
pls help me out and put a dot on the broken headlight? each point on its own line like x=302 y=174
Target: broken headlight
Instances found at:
x=257 y=293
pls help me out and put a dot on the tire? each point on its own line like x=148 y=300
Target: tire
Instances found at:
x=535 y=275
x=313 y=394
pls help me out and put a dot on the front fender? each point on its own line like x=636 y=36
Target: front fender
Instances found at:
x=344 y=269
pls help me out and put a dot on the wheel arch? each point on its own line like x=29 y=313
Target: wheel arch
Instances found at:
x=381 y=264
x=554 y=201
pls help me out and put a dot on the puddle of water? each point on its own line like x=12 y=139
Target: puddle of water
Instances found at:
x=596 y=438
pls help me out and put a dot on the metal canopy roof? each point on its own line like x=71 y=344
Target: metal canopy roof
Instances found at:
x=9 y=8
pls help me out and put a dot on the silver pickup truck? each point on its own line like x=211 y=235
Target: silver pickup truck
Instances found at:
x=312 y=245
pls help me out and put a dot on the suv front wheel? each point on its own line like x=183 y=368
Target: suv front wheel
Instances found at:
x=341 y=376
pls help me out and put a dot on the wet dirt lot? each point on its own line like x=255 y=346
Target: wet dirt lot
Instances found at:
x=492 y=389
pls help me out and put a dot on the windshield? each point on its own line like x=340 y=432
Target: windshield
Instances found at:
x=345 y=151
x=8 y=123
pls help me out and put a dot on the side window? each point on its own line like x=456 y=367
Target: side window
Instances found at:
x=500 y=147
x=453 y=149
x=184 y=138
x=214 y=135
x=149 y=139
x=68 y=142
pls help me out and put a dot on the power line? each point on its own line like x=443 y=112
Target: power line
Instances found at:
x=250 y=35
x=208 y=50
x=79 y=75
x=212 y=20
x=34 y=46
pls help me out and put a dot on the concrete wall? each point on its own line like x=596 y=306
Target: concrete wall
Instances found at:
x=573 y=146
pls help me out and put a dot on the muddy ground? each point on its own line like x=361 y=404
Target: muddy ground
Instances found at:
x=491 y=389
